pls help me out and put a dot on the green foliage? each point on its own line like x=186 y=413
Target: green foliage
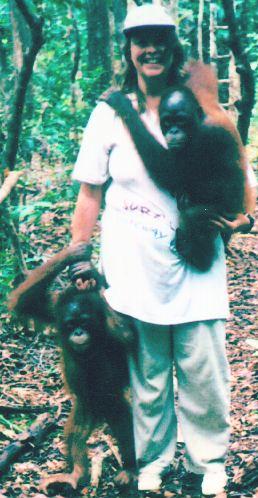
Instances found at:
x=55 y=114
x=56 y=110
x=6 y=270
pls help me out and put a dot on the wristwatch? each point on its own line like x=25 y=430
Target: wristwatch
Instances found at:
x=251 y=223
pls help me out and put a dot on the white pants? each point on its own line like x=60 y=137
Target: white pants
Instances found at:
x=197 y=351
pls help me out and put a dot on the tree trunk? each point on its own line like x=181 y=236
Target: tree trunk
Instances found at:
x=246 y=9
x=213 y=45
x=77 y=50
x=243 y=68
x=234 y=89
x=200 y=23
x=99 y=38
x=14 y=125
x=3 y=51
x=17 y=44
x=119 y=10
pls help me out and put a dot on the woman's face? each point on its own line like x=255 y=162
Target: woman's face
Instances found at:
x=151 y=52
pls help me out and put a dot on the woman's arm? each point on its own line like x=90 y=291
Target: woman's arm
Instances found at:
x=83 y=222
x=250 y=198
x=86 y=212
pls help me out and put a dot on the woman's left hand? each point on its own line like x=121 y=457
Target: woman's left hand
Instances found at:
x=239 y=224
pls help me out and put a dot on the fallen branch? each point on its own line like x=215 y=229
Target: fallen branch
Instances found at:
x=27 y=440
x=9 y=183
x=9 y=409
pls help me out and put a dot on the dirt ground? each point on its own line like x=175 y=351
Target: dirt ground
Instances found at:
x=30 y=375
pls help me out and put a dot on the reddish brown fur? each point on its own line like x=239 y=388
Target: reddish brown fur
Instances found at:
x=203 y=82
x=96 y=374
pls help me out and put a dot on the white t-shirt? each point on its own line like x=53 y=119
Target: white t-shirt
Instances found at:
x=146 y=279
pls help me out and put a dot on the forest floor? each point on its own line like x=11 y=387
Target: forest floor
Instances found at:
x=31 y=377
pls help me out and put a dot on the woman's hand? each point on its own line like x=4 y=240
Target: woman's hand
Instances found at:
x=79 y=270
x=241 y=223
x=80 y=264
x=80 y=251
x=83 y=222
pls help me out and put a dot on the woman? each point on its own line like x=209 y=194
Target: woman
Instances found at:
x=178 y=312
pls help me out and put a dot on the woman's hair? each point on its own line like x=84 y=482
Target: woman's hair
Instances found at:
x=129 y=80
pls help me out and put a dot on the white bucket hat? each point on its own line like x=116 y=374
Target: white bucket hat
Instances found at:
x=147 y=15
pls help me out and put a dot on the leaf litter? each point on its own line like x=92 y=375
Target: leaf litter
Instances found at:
x=31 y=376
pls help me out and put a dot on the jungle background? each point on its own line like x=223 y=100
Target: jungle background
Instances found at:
x=56 y=58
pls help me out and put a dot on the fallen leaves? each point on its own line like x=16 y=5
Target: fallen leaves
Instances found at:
x=31 y=375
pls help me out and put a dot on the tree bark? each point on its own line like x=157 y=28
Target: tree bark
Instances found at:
x=200 y=24
x=243 y=68
x=3 y=51
x=77 y=51
x=14 y=125
x=23 y=32
x=119 y=9
x=213 y=45
x=17 y=45
x=99 y=38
